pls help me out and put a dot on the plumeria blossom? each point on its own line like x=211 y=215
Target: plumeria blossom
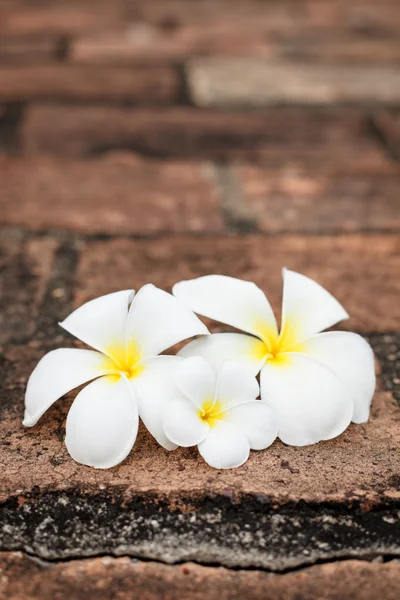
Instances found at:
x=218 y=412
x=317 y=383
x=127 y=332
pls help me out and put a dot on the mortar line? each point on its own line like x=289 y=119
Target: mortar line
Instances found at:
x=366 y=558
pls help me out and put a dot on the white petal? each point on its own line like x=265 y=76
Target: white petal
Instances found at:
x=309 y=400
x=307 y=308
x=196 y=379
x=57 y=373
x=182 y=423
x=101 y=323
x=157 y=321
x=235 y=302
x=102 y=423
x=225 y=447
x=154 y=388
x=236 y=384
x=216 y=348
x=257 y=421
x=352 y=359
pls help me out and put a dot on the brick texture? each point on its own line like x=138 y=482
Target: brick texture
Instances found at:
x=313 y=200
x=360 y=270
x=329 y=137
x=28 y=49
x=240 y=82
x=152 y=85
x=60 y=17
x=122 y=577
x=118 y=194
x=165 y=140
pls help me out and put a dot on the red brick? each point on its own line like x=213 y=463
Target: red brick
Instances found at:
x=115 y=194
x=65 y=17
x=153 y=85
x=361 y=270
x=360 y=464
x=122 y=578
x=274 y=18
x=25 y=267
x=246 y=82
x=362 y=273
x=28 y=49
x=276 y=136
x=288 y=17
x=145 y=42
x=346 y=49
x=306 y=199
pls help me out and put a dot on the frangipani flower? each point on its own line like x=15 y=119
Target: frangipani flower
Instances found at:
x=218 y=412
x=127 y=331
x=316 y=382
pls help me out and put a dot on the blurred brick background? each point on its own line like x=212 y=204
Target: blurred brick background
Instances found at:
x=154 y=140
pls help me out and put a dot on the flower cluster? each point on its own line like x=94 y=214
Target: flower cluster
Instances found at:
x=313 y=384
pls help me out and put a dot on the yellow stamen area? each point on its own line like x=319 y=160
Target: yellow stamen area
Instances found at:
x=274 y=347
x=211 y=412
x=123 y=360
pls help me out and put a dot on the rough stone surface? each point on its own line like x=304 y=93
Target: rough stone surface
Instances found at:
x=360 y=270
x=279 y=135
x=306 y=199
x=150 y=85
x=118 y=194
x=240 y=82
x=123 y=578
x=25 y=266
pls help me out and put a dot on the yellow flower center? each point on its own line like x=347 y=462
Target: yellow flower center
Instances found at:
x=275 y=348
x=211 y=412
x=123 y=360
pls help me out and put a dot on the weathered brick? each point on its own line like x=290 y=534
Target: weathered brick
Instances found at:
x=25 y=267
x=60 y=17
x=280 y=135
x=123 y=578
x=56 y=508
x=143 y=41
x=361 y=270
x=172 y=507
x=146 y=41
x=306 y=199
x=288 y=17
x=338 y=474
x=241 y=82
x=117 y=194
x=28 y=49
x=346 y=49
x=152 y=85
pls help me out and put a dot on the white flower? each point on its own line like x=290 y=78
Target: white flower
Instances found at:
x=316 y=382
x=128 y=331
x=218 y=412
